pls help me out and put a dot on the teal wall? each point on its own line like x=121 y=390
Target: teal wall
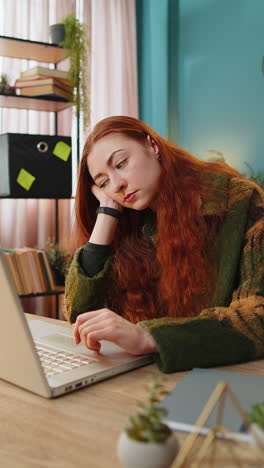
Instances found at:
x=152 y=30
x=214 y=84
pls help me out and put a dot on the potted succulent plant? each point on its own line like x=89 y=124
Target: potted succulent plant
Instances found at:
x=147 y=442
x=72 y=35
x=4 y=85
x=256 y=417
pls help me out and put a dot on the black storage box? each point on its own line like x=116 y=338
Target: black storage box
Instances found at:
x=35 y=166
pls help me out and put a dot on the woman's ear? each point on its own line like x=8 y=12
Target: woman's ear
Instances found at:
x=153 y=144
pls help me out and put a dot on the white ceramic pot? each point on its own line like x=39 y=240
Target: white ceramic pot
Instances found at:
x=257 y=435
x=134 y=454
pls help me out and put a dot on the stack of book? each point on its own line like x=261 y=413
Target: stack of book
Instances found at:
x=42 y=81
x=30 y=270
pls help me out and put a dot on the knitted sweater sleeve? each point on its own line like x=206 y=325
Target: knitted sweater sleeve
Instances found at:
x=84 y=293
x=221 y=335
x=93 y=257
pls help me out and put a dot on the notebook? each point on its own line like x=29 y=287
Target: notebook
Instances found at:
x=187 y=400
x=43 y=358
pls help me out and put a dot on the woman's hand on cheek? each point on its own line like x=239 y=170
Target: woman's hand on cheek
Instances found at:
x=104 y=199
x=92 y=327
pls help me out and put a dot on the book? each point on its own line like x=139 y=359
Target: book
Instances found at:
x=10 y=259
x=29 y=272
x=30 y=269
x=37 y=76
x=38 y=70
x=37 y=286
x=43 y=287
x=23 y=270
x=44 y=270
x=187 y=400
x=47 y=90
x=61 y=83
x=49 y=271
x=18 y=274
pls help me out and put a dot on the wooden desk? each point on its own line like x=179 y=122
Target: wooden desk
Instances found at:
x=78 y=430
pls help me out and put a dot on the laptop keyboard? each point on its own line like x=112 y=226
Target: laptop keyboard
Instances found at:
x=57 y=362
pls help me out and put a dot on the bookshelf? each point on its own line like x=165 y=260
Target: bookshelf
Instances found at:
x=33 y=103
x=51 y=54
x=41 y=52
x=57 y=291
x=14 y=47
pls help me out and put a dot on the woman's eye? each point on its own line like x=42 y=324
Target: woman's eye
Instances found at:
x=120 y=164
x=103 y=184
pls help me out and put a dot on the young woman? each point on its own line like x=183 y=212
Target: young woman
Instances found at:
x=173 y=261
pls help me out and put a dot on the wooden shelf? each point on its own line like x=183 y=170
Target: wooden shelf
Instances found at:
x=31 y=50
x=33 y=103
x=60 y=290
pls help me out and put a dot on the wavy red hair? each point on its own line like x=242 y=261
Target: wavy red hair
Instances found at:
x=174 y=277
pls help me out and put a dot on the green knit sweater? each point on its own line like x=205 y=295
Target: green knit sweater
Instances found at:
x=231 y=330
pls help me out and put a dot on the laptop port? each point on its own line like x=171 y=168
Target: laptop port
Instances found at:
x=78 y=385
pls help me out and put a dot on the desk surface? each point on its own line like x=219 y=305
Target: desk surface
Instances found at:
x=79 y=429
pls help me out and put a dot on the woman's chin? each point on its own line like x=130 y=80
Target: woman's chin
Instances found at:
x=138 y=205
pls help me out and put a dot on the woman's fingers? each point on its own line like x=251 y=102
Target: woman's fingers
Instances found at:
x=97 y=192
x=104 y=199
x=92 y=335
x=91 y=317
x=80 y=319
x=89 y=341
x=92 y=327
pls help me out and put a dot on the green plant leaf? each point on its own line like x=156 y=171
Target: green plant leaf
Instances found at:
x=256 y=415
x=77 y=44
x=256 y=176
x=147 y=425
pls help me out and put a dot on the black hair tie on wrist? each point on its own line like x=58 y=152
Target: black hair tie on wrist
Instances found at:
x=109 y=211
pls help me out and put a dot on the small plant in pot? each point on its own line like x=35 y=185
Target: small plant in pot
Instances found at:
x=4 y=84
x=147 y=442
x=256 y=417
x=59 y=261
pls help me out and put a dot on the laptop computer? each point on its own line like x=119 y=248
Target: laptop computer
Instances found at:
x=43 y=358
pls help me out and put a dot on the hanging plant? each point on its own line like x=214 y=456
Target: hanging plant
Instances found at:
x=77 y=44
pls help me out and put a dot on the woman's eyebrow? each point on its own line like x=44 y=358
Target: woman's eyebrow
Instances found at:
x=108 y=162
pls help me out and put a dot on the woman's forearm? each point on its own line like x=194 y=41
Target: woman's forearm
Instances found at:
x=104 y=229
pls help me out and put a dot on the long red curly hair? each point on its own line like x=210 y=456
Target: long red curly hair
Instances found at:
x=173 y=276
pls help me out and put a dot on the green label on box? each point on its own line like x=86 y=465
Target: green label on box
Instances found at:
x=62 y=150
x=25 y=179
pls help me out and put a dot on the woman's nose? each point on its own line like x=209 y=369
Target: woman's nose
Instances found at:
x=118 y=183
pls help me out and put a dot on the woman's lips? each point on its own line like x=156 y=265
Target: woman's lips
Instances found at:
x=130 y=196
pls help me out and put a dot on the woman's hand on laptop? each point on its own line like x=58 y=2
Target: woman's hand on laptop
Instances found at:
x=92 y=327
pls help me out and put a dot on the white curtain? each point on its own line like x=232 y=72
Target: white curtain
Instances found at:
x=114 y=59
x=28 y=19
